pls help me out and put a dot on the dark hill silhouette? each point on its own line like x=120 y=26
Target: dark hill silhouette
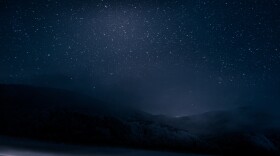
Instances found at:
x=66 y=117
x=59 y=116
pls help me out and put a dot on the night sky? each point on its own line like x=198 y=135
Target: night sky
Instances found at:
x=174 y=57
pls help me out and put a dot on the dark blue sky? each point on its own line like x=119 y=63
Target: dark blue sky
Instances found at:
x=166 y=56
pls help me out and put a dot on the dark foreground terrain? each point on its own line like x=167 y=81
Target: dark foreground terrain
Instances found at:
x=62 y=117
x=23 y=147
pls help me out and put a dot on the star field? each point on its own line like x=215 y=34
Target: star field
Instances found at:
x=170 y=56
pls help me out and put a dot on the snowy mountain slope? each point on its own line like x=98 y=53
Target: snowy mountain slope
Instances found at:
x=60 y=116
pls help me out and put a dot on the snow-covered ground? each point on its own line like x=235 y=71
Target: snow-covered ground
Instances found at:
x=90 y=152
x=23 y=147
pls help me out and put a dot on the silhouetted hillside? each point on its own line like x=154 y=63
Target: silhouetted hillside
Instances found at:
x=66 y=117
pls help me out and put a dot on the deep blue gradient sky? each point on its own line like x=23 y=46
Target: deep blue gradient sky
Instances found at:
x=167 y=56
